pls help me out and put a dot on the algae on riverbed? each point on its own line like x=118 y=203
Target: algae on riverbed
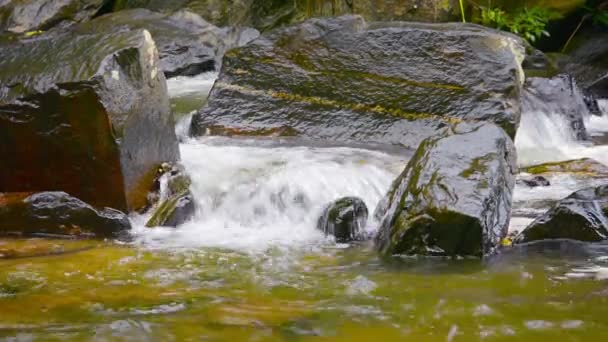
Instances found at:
x=129 y=293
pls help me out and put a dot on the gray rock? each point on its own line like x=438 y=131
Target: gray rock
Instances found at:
x=57 y=213
x=346 y=80
x=582 y=216
x=20 y=16
x=453 y=198
x=344 y=219
x=557 y=96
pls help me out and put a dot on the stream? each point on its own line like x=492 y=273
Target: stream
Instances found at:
x=251 y=266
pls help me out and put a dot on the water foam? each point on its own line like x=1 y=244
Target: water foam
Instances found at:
x=188 y=85
x=252 y=197
x=545 y=137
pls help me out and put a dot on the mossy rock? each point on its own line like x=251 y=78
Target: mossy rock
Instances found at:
x=175 y=204
x=582 y=216
x=86 y=112
x=454 y=196
x=583 y=167
x=344 y=79
x=268 y=14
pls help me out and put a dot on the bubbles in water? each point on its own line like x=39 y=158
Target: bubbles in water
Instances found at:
x=251 y=197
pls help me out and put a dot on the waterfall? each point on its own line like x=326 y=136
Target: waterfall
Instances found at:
x=556 y=124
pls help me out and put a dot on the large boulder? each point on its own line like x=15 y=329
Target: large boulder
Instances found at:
x=85 y=112
x=588 y=61
x=20 y=16
x=453 y=198
x=57 y=214
x=344 y=219
x=187 y=44
x=267 y=14
x=581 y=216
x=345 y=80
x=558 y=96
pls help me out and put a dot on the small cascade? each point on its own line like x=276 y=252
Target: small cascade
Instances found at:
x=252 y=194
x=556 y=123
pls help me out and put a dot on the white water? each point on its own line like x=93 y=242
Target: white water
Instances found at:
x=253 y=194
x=543 y=137
x=196 y=85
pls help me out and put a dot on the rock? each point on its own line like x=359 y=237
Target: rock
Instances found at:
x=344 y=219
x=453 y=198
x=174 y=203
x=588 y=61
x=581 y=216
x=85 y=112
x=21 y=16
x=534 y=182
x=268 y=14
x=345 y=80
x=584 y=167
x=537 y=64
x=558 y=96
x=57 y=214
x=187 y=44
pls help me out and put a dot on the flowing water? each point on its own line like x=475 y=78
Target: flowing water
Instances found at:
x=250 y=265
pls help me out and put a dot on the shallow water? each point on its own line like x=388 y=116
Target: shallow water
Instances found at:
x=250 y=266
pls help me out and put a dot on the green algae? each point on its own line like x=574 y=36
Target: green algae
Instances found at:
x=126 y=293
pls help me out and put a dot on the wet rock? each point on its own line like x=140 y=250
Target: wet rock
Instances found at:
x=268 y=14
x=284 y=131
x=453 y=198
x=20 y=16
x=345 y=80
x=581 y=216
x=588 y=61
x=85 y=112
x=344 y=219
x=534 y=182
x=187 y=44
x=559 y=96
x=173 y=203
x=57 y=214
x=584 y=167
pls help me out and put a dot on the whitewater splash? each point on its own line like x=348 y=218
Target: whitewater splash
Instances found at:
x=546 y=137
x=256 y=194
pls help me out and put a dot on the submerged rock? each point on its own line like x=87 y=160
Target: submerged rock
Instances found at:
x=534 y=181
x=20 y=16
x=344 y=219
x=453 y=198
x=187 y=44
x=584 y=167
x=343 y=79
x=57 y=213
x=86 y=112
x=581 y=216
x=558 y=96
x=174 y=203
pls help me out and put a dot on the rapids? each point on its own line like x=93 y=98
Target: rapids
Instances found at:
x=250 y=266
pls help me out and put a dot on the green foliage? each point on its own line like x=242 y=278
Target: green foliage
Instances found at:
x=598 y=15
x=528 y=23
x=462 y=11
